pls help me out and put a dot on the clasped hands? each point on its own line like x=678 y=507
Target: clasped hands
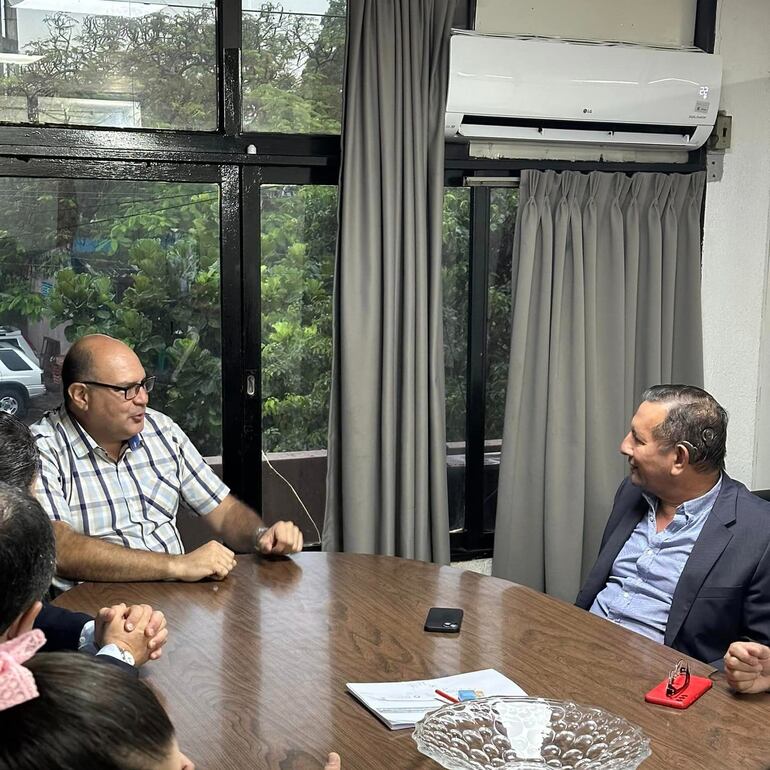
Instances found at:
x=138 y=629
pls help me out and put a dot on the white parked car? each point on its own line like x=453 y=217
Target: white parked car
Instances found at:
x=20 y=379
x=13 y=336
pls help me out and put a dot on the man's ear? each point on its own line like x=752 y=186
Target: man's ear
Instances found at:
x=682 y=459
x=78 y=394
x=24 y=622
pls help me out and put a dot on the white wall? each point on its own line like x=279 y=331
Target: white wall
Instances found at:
x=653 y=21
x=735 y=245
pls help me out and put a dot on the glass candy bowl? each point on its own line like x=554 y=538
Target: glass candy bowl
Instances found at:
x=529 y=734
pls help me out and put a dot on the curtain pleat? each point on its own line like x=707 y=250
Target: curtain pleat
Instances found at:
x=386 y=481
x=605 y=302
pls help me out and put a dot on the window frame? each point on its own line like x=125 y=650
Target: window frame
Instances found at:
x=240 y=163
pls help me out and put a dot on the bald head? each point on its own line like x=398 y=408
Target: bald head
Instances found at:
x=100 y=377
x=90 y=357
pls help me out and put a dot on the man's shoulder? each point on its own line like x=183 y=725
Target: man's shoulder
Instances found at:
x=747 y=504
x=160 y=427
x=627 y=493
x=158 y=421
x=49 y=428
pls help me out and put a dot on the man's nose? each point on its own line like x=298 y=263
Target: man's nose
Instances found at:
x=625 y=445
x=142 y=397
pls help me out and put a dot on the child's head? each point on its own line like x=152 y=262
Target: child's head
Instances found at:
x=27 y=559
x=88 y=716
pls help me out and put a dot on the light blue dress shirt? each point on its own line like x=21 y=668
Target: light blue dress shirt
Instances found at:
x=644 y=575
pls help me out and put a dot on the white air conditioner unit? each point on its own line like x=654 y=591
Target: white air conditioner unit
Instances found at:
x=559 y=92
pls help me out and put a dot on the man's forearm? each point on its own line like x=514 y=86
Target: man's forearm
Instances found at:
x=81 y=557
x=236 y=523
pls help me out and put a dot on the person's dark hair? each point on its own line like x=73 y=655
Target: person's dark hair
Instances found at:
x=18 y=453
x=88 y=716
x=694 y=419
x=75 y=368
x=27 y=553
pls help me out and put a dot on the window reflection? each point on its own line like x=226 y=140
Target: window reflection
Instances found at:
x=117 y=63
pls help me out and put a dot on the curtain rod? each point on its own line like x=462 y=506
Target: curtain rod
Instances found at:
x=490 y=181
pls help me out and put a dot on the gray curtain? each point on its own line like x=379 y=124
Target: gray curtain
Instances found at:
x=386 y=482
x=605 y=301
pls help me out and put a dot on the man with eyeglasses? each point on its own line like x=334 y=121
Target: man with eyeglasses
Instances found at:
x=112 y=475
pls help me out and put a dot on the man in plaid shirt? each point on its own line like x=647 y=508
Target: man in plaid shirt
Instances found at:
x=113 y=472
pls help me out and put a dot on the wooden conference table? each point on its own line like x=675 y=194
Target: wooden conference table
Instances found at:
x=255 y=668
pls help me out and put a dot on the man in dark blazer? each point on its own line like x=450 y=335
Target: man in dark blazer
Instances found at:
x=685 y=556
x=27 y=560
x=110 y=631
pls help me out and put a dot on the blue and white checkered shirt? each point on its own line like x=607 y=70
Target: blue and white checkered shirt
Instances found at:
x=645 y=573
x=132 y=502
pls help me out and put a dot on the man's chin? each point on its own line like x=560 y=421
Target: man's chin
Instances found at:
x=633 y=477
x=136 y=425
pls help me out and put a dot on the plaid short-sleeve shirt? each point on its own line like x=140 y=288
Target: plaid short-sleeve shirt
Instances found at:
x=132 y=502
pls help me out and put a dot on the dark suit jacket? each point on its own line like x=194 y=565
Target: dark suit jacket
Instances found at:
x=724 y=590
x=61 y=627
x=62 y=632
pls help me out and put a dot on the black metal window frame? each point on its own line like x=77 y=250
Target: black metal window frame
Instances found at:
x=240 y=163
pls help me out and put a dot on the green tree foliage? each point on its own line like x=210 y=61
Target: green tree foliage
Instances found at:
x=141 y=261
x=292 y=70
x=456 y=249
x=165 y=65
x=503 y=205
x=456 y=253
x=299 y=227
x=152 y=280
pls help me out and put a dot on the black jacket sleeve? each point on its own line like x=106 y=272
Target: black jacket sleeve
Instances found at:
x=61 y=627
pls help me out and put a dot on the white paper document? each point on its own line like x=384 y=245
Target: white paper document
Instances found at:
x=401 y=704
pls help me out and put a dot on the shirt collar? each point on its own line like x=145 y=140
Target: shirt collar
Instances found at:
x=699 y=506
x=81 y=441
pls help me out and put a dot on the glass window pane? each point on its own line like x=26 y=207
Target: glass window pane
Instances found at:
x=13 y=362
x=137 y=260
x=456 y=254
x=299 y=235
x=292 y=63
x=128 y=63
x=503 y=204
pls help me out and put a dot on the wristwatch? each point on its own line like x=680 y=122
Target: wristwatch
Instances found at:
x=117 y=652
x=258 y=535
x=126 y=656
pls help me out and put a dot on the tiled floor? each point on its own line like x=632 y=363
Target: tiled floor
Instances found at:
x=484 y=566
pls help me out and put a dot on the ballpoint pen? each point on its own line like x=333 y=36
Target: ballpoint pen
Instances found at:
x=446 y=695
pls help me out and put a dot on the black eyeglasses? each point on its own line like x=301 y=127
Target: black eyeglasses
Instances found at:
x=129 y=392
x=678 y=678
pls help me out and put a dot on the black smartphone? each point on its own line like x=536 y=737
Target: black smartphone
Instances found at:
x=444 y=620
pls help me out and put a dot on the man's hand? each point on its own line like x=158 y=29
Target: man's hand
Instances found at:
x=333 y=762
x=280 y=539
x=212 y=560
x=136 y=642
x=155 y=629
x=747 y=665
